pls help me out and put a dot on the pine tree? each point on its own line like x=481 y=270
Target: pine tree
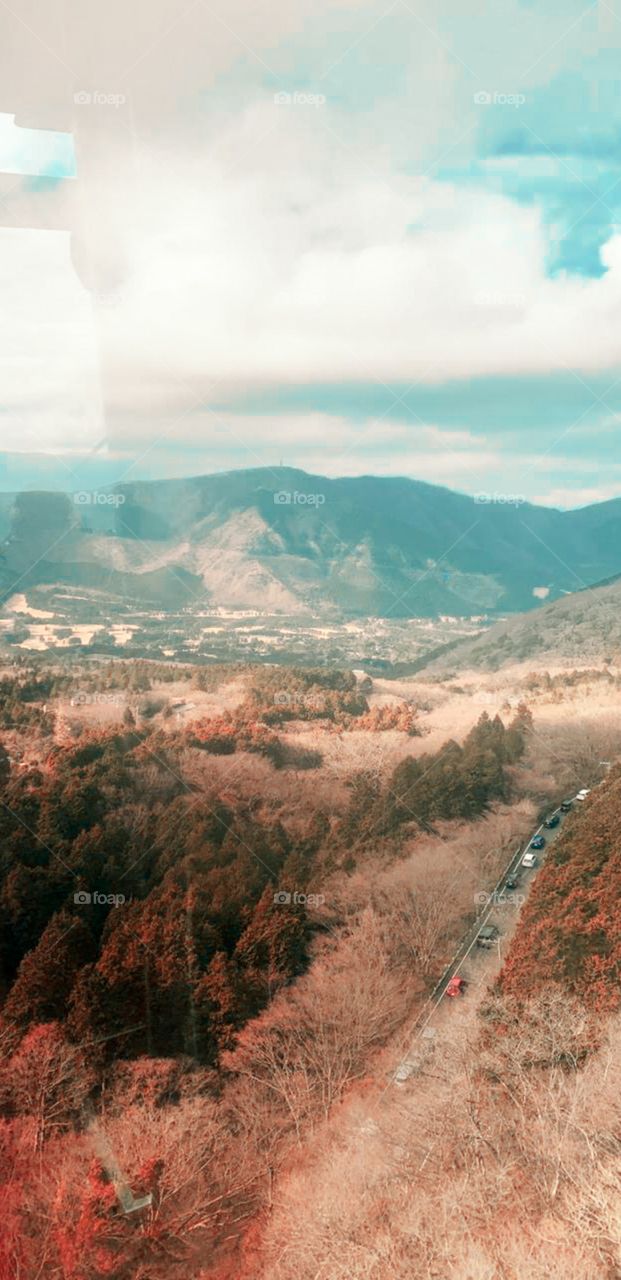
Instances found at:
x=46 y=975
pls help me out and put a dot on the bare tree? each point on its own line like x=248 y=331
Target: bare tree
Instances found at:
x=48 y=1080
x=315 y=1038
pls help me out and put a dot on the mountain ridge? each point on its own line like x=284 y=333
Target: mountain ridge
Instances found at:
x=582 y=626
x=291 y=541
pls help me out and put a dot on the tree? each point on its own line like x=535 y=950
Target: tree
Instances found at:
x=219 y=1003
x=272 y=949
x=314 y=1039
x=47 y=974
x=47 y=1079
x=5 y=765
x=417 y=919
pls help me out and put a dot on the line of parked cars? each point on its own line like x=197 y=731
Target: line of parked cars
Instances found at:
x=553 y=819
x=487 y=936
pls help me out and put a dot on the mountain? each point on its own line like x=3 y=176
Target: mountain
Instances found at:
x=583 y=626
x=282 y=540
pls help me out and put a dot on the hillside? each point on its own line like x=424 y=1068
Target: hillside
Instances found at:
x=579 y=627
x=220 y=927
x=570 y=928
x=286 y=541
x=168 y=914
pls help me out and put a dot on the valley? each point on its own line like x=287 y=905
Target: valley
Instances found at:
x=53 y=619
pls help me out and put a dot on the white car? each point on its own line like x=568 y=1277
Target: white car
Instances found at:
x=405 y=1071
x=582 y=795
x=529 y=860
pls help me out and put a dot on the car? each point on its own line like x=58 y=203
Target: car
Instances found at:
x=405 y=1071
x=487 y=935
x=529 y=860
x=512 y=882
x=582 y=795
x=552 y=821
x=455 y=986
x=566 y=806
x=538 y=842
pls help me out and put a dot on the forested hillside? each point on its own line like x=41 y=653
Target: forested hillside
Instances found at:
x=570 y=930
x=134 y=905
x=583 y=626
x=192 y=974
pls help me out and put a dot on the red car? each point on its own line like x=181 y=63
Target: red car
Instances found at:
x=455 y=986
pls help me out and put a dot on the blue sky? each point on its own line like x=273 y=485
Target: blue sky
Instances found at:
x=409 y=265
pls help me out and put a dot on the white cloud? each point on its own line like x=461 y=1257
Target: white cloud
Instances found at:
x=249 y=274
x=578 y=497
x=281 y=245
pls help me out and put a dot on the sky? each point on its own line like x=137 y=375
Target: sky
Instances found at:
x=354 y=238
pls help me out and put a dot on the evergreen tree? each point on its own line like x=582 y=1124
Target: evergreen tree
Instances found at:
x=47 y=974
x=272 y=950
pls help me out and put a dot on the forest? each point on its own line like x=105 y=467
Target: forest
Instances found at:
x=163 y=986
x=195 y=981
x=195 y=944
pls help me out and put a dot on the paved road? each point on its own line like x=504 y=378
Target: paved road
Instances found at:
x=470 y=940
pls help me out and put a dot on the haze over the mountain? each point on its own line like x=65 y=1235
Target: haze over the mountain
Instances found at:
x=285 y=541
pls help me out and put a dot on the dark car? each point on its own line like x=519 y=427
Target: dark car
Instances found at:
x=566 y=806
x=512 y=882
x=538 y=842
x=552 y=821
x=487 y=935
